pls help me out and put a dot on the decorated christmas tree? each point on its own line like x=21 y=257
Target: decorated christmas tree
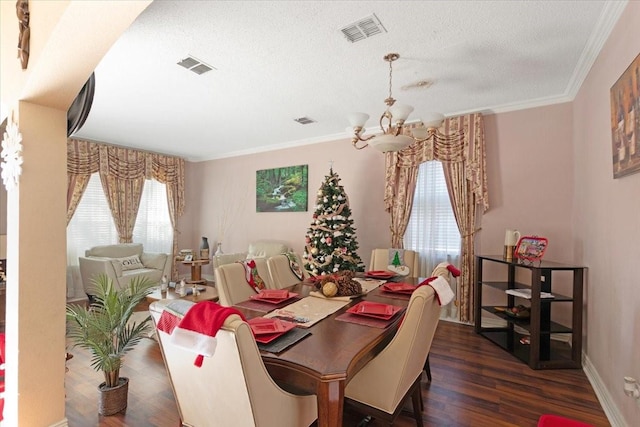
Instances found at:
x=330 y=243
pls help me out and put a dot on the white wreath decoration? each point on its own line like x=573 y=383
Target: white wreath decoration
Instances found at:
x=11 y=155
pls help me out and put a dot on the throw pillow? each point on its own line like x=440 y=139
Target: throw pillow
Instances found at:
x=130 y=263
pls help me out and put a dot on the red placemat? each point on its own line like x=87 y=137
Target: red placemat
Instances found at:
x=265 y=307
x=369 y=321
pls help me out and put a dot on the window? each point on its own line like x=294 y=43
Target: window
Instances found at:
x=92 y=225
x=432 y=230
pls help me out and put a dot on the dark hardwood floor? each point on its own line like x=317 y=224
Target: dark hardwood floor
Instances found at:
x=475 y=384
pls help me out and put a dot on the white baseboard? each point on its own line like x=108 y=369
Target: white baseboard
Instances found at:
x=604 y=397
x=63 y=423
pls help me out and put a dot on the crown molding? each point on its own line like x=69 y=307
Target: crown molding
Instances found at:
x=611 y=12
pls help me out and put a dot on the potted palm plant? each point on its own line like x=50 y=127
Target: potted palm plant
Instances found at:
x=103 y=328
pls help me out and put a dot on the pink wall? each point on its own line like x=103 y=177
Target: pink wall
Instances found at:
x=606 y=215
x=232 y=181
x=530 y=178
x=530 y=171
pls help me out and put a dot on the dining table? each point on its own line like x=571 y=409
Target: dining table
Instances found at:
x=323 y=362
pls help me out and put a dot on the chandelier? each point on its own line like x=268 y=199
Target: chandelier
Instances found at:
x=392 y=124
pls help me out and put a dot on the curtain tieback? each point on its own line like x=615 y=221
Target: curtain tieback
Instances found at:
x=472 y=233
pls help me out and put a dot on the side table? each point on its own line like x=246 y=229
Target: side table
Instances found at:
x=196 y=270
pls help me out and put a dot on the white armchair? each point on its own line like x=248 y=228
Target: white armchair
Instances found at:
x=122 y=262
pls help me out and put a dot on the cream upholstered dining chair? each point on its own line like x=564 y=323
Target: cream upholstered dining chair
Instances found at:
x=381 y=387
x=380 y=260
x=232 y=387
x=231 y=281
x=282 y=275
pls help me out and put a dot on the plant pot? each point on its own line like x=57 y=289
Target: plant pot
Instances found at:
x=113 y=399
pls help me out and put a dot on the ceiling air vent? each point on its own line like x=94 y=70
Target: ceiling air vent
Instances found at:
x=304 y=120
x=363 y=28
x=195 y=65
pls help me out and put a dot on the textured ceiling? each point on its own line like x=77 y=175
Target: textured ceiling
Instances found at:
x=279 y=60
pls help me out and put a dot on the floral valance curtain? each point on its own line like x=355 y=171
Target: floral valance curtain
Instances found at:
x=464 y=164
x=122 y=173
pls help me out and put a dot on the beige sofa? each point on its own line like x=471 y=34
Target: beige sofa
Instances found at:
x=122 y=262
x=267 y=249
x=258 y=249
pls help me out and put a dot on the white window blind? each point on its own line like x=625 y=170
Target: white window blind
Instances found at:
x=432 y=229
x=92 y=224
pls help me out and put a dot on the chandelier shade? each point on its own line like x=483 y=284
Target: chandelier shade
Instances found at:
x=357 y=119
x=432 y=120
x=392 y=123
x=386 y=142
x=400 y=111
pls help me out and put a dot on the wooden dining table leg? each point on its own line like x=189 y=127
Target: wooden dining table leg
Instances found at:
x=330 y=403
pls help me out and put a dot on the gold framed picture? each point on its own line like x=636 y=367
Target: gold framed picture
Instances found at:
x=625 y=121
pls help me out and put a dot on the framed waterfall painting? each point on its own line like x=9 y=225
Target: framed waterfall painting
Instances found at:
x=625 y=121
x=282 y=189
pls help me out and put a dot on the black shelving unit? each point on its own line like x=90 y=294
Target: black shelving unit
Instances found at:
x=542 y=352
